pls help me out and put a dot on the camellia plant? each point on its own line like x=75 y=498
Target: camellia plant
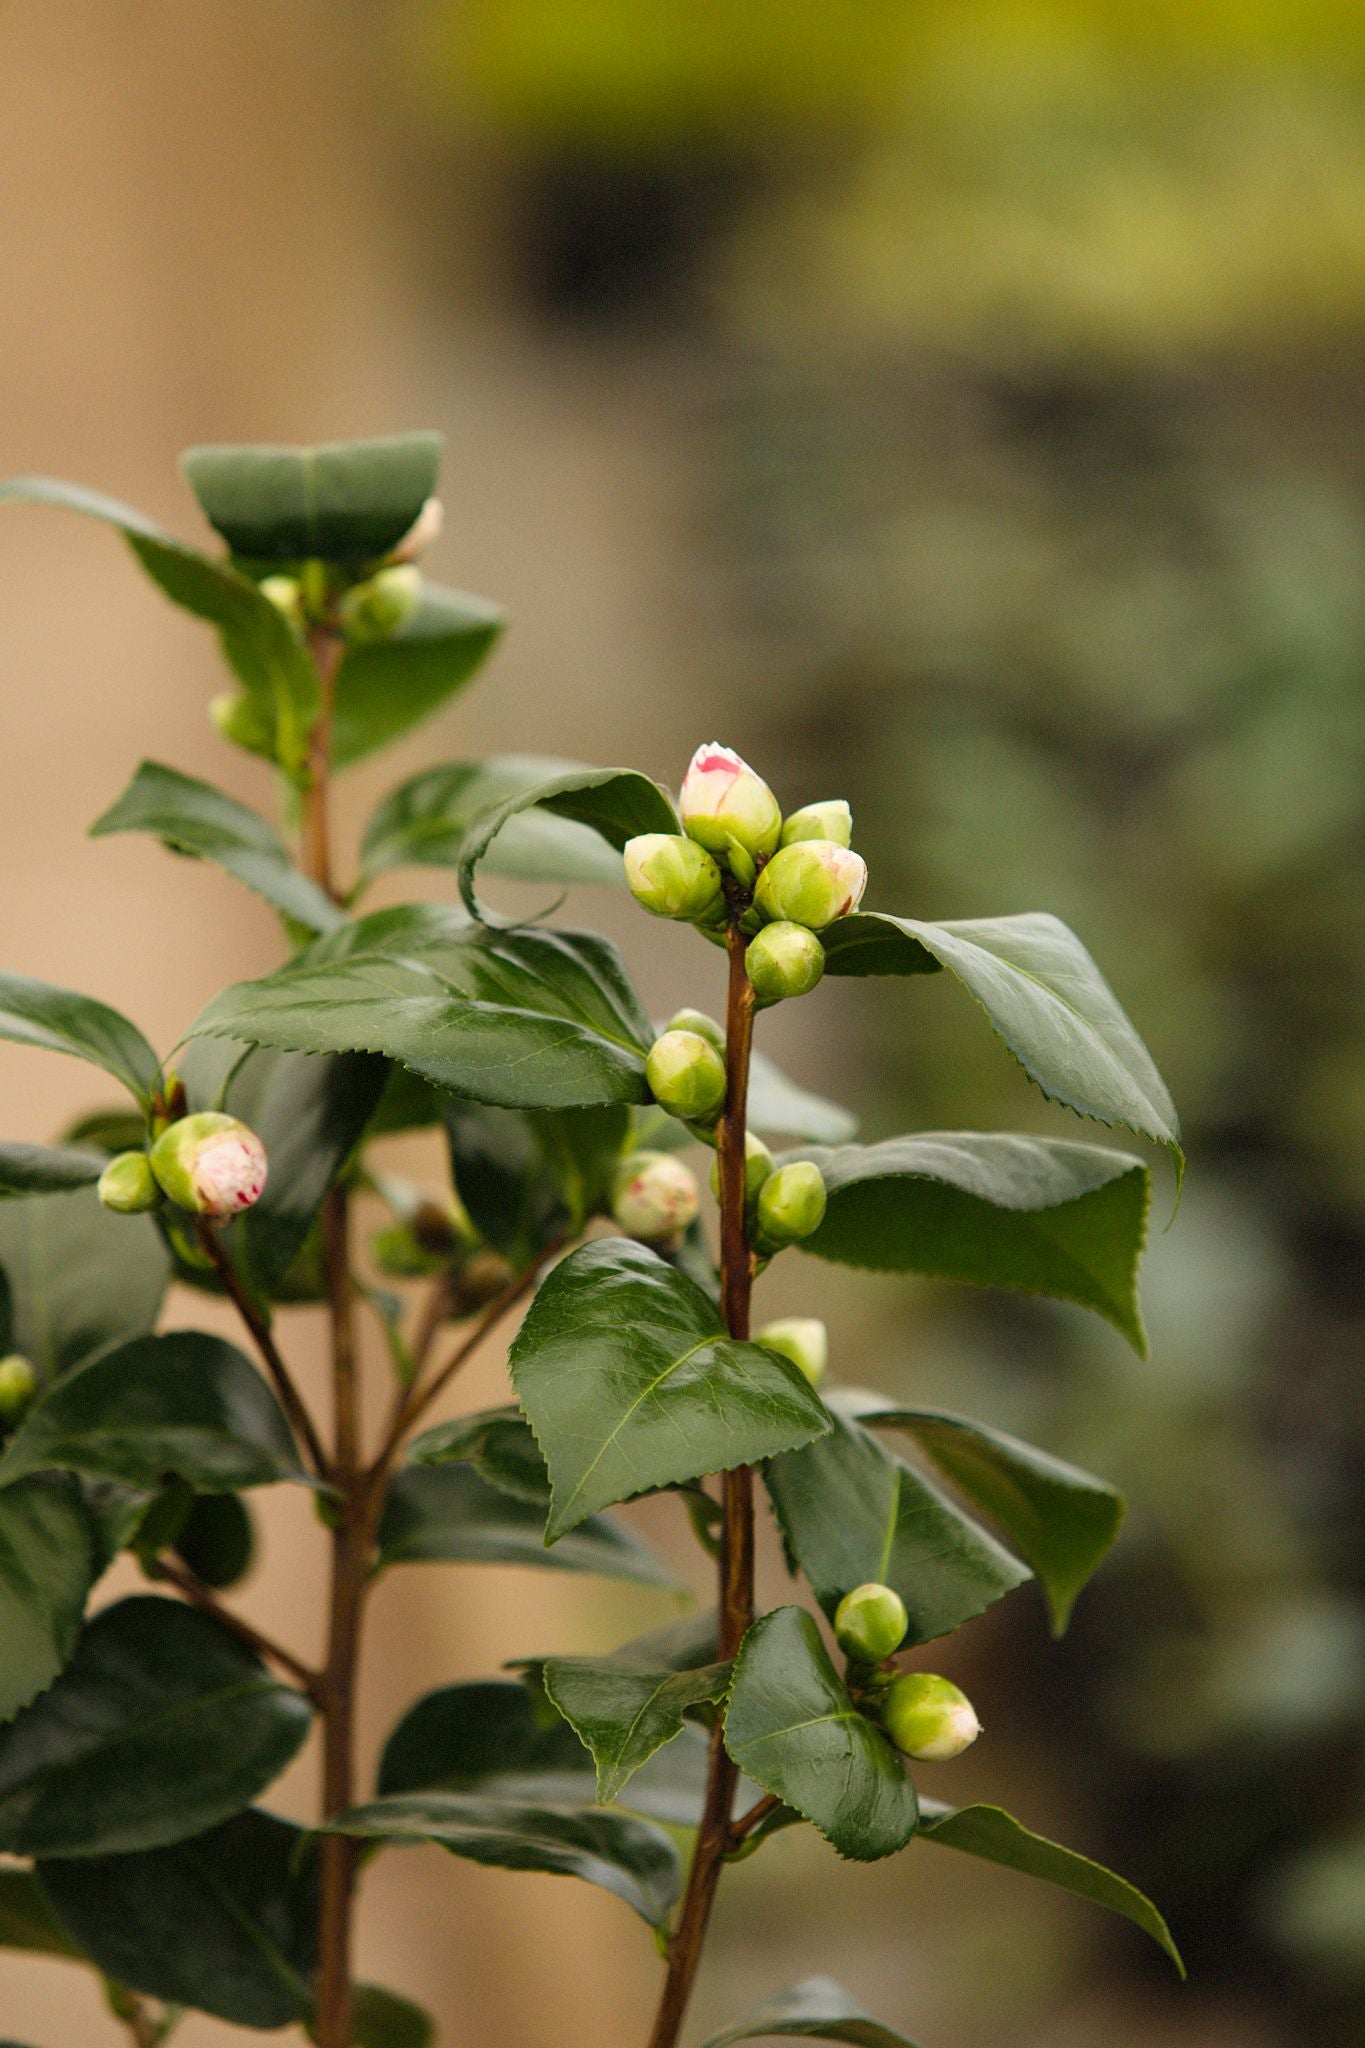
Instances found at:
x=138 y=1738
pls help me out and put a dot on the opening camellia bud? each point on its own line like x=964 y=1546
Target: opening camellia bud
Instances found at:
x=831 y=820
x=18 y=1385
x=210 y=1164
x=128 y=1185
x=791 y=1204
x=377 y=608
x=698 y=1021
x=687 y=1075
x=671 y=876
x=928 y=1717
x=802 y=1339
x=870 y=1623
x=811 y=883
x=655 y=1198
x=722 y=802
x=784 y=960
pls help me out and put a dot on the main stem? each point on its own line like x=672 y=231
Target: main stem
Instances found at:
x=736 y=1562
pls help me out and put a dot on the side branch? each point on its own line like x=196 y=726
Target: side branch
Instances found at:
x=199 y=1596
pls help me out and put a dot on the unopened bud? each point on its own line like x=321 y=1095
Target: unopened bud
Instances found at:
x=128 y=1185
x=784 y=960
x=239 y=719
x=928 y=1717
x=377 y=608
x=687 y=1075
x=791 y=1204
x=18 y=1385
x=812 y=883
x=830 y=820
x=674 y=877
x=870 y=1623
x=398 y=1251
x=655 y=1197
x=758 y=1166
x=425 y=528
x=286 y=594
x=723 y=801
x=698 y=1021
x=210 y=1164
x=802 y=1339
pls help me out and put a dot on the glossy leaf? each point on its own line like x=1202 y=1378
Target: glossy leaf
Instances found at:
x=624 y=1855
x=192 y=817
x=60 y=1020
x=626 y=1706
x=791 y=1725
x=449 y=1515
x=27 y=1920
x=216 y=1539
x=342 y=501
x=226 y=1922
x=161 y=1727
x=381 y=2019
x=990 y=1832
x=851 y=1513
x=777 y=1104
x=1045 y=1215
x=498 y=1443
x=47 y=1169
x=1060 y=1519
x=614 y=803
x=48 y=1564
x=423 y=823
x=817 y=2009
x=81 y=1279
x=525 y=1020
x=385 y=687
x=630 y=1381
x=530 y=1177
x=185 y=1403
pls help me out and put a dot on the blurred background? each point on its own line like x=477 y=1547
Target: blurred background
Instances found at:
x=955 y=408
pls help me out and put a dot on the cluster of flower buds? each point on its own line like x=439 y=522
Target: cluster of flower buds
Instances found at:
x=802 y=1339
x=655 y=1197
x=926 y=1716
x=18 y=1385
x=782 y=1204
x=209 y=1164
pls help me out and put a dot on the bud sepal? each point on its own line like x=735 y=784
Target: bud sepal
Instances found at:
x=128 y=1186
x=687 y=1076
x=784 y=960
x=791 y=1205
x=928 y=1717
x=210 y=1164
x=870 y=1623
x=671 y=876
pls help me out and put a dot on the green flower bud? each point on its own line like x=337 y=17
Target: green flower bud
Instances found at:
x=128 y=1185
x=802 y=1339
x=18 y=1385
x=811 y=883
x=674 y=877
x=655 y=1197
x=758 y=1166
x=791 y=1204
x=398 y=1251
x=722 y=802
x=379 y=607
x=784 y=960
x=286 y=594
x=687 y=1075
x=870 y=1623
x=831 y=820
x=239 y=719
x=928 y=1717
x=698 y=1021
x=210 y=1163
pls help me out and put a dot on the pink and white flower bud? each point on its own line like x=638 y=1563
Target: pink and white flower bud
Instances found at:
x=210 y=1164
x=722 y=800
x=655 y=1197
x=812 y=882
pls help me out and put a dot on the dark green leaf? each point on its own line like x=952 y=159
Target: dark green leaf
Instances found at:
x=502 y=1177
x=216 y=1539
x=630 y=1381
x=47 y=1567
x=160 y=1727
x=1057 y=1517
x=81 y=1279
x=448 y=1515
x=777 y=1104
x=526 y=1020
x=59 y=1020
x=226 y=1922
x=582 y=1149
x=342 y=501
x=185 y=1403
x=792 y=1727
x=423 y=823
x=27 y=1920
x=1044 y=1215
x=385 y=687
x=816 y=2010
x=626 y=1706
x=381 y=2019
x=192 y=817
x=624 y=1855
x=851 y=1513
x=614 y=803
x=47 y=1169
x=1044 y=995
x=499 y=1445
x=989 y=1832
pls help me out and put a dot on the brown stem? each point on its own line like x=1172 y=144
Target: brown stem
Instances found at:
x=198 y=1595
x=326 y=649
x=290 y=1398
x=127 y=2006
x=747 y=1822
x=736 y=1564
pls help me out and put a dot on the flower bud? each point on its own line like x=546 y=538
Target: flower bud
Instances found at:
x=791 y=1204
x=928 y=1717
x=870 y=1623
x=811 y=883
x=210 y=1163
x=398 y=1251
x=802 y=1339
x=286 y=594
x=238 y=718
x=758 y=1166
x=698 y=1021
x=687 y=1075
x=832 y=820
x=655 y=1197
x=18 y=1385
x=377 y=608
x=128 y=1185
x=674 y=877
x=425 y=529
x=722 y=800
x=784 y=960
